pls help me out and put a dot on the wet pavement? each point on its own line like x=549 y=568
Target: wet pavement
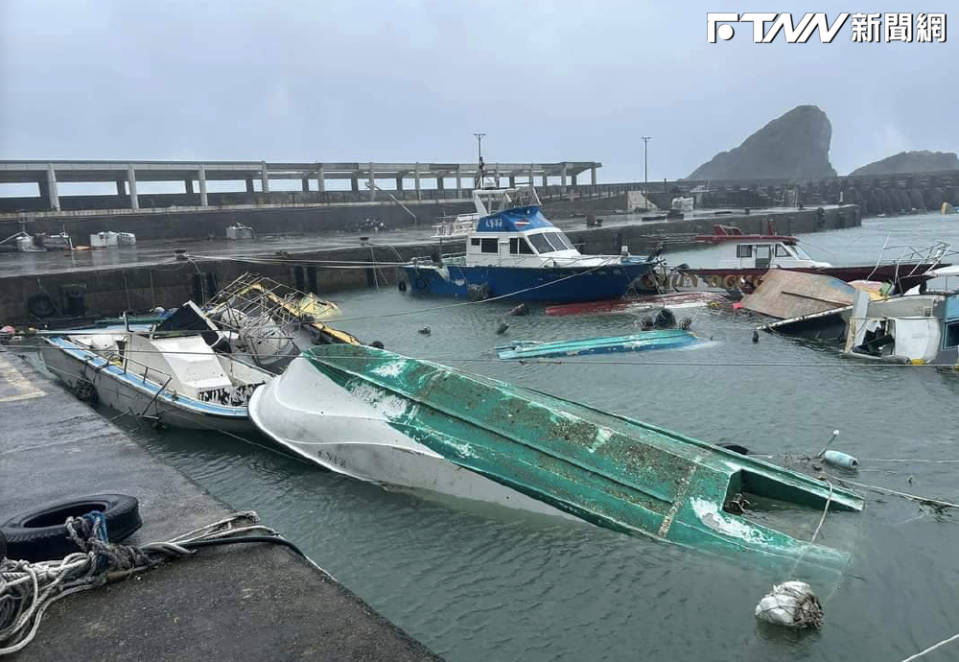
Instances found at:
x=246 y=602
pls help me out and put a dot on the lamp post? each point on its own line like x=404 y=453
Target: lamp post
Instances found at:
x=646 y=140
x=479 y=152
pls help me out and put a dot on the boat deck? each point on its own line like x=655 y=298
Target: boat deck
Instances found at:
x=249 y=603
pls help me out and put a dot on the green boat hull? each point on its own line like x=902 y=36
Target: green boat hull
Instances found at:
x=610 y=470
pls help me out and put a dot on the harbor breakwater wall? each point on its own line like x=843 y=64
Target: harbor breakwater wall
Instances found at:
x=307 y=218
x=95 y=293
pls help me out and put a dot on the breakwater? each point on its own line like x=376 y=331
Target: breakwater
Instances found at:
x=79 y=294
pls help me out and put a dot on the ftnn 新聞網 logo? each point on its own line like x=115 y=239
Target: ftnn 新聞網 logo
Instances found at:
x=865 y=27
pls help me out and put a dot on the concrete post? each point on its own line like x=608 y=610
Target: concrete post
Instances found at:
x=496 y=174
x=121 y=188
x=264 y=179
x=545 y=179
x=201 y=176
x=459 y=178
x=305 y=185
x=592 y=175
x=132 y=183
x=399 y=182
x=416 y=179
x=574 y=180
x=372 y=183
x=512 y=180
x=440 y=184
x=563 y=176
x=354 y=184
x=249 y=185
x=320 y=183
x=52 y=194
x=531 y=181
x=188 y=186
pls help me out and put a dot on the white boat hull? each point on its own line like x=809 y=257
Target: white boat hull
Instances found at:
x=127 y=394
x=311 y=415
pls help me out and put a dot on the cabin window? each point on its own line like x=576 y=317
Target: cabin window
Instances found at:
x=744 y=250
x=489 y=245
x=952 y=335
x=782 y=251
x=563 y=239
x=518 y=245
x=540 y=243
x=475 y=241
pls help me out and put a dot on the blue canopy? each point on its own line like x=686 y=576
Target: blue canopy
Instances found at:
x=516 y=219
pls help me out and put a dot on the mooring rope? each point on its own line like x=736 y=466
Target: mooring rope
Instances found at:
x=28 y=589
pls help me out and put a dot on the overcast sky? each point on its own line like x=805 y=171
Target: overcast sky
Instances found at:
x=362 y=80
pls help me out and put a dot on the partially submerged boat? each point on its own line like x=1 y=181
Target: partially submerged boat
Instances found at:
x=386 y=418
x=177 y=381
x=787 y=294
x=513 y=251
x=636 y=342
x=641 y=303
x=915 y=329
x=746 y=258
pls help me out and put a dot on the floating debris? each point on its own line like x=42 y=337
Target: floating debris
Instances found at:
x=502 y=328
x=426 y=331
x=791 y=604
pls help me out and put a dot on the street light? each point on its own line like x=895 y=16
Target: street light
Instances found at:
x=646 y=140
x=479 y=151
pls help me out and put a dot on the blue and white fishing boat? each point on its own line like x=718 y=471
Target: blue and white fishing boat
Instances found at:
x=515 y=252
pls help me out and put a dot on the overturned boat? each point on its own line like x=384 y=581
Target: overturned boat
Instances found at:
x=176 y=381
x=636 y=342
x=381 y=417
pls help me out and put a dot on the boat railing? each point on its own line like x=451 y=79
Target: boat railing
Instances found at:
x=924 y=259
x=458 y=227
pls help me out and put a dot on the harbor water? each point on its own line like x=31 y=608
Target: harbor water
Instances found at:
x=479 y=584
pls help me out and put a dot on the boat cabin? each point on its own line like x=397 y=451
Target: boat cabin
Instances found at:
x=758 y=251
x=509 y=230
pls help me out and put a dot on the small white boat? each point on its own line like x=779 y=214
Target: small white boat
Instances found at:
x=176 y=381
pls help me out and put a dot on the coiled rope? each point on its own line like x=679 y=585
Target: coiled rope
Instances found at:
x=28 y=589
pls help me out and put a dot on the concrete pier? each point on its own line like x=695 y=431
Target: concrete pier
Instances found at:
x=45 y=174
x=246 y=603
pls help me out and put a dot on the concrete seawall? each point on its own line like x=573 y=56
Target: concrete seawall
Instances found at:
x=141 y=286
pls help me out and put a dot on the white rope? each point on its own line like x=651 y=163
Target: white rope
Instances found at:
x=28 y=589
x=932 y=648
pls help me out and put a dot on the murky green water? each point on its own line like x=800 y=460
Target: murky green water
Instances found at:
x=482 y=585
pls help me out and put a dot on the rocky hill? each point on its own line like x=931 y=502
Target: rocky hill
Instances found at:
x=903 y=162
x=793 y=146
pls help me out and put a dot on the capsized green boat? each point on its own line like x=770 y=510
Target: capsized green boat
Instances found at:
x=636 y=342
x=383 y=417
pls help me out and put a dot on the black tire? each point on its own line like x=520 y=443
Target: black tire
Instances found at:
x=419 y=283
x=41 y=306
x=401 y=285
x=39 y=534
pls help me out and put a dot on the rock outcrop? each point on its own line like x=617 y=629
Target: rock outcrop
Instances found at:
x=793 y=146
x=908 y=162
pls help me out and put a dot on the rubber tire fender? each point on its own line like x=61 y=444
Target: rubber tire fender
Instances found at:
x=39 y=534
x=41 y=306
